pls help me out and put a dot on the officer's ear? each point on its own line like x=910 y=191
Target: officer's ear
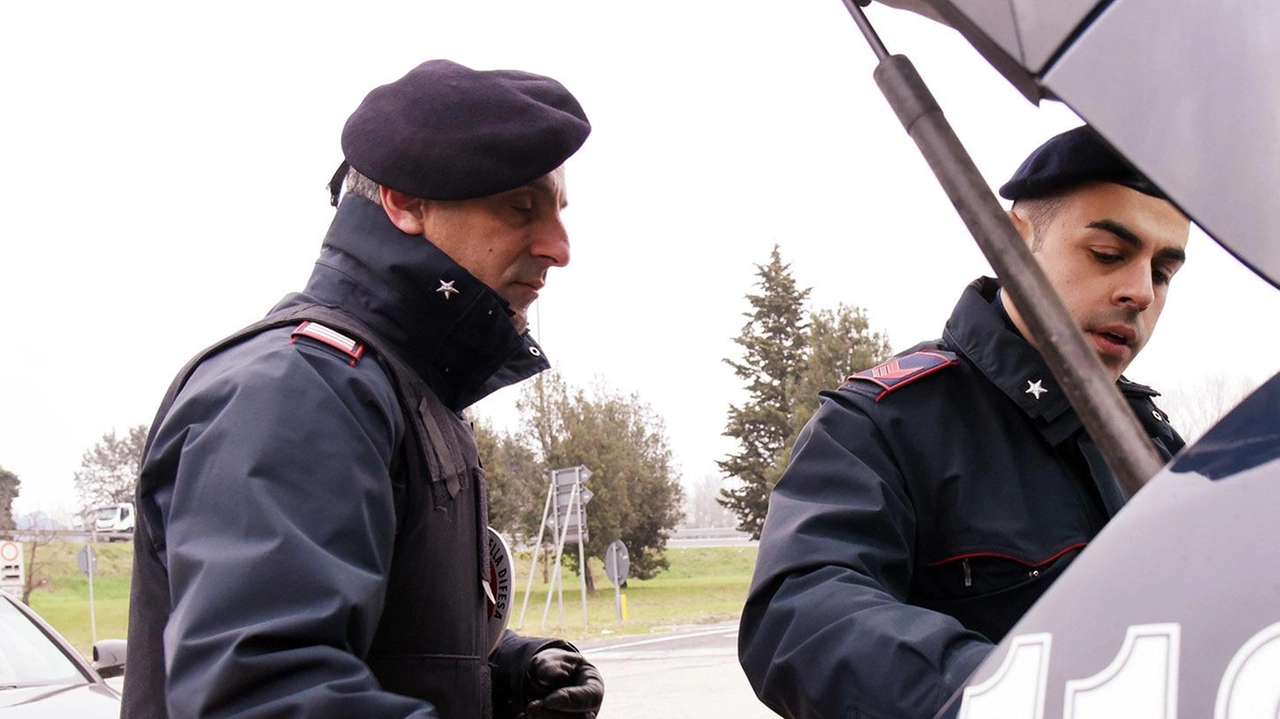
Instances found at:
x=405 y=211
x=1022 y=224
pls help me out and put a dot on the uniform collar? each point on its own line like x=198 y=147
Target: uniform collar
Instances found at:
x=981 y=330
x=446 y=324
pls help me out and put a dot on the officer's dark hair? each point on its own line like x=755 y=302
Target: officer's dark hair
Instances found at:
x=1039 y=211
x=361 y=186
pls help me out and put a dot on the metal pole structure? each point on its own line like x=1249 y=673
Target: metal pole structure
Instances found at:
x=93 y=618
x=1094 y=396
x=582 y=529
x=557 y=581
x=555 y=573
x=617 y=583
x=533 y=566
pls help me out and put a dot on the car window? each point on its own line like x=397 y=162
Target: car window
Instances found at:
x=28 y=657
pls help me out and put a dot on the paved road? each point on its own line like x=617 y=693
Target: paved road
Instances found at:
x=686 y=674
x=691 y=673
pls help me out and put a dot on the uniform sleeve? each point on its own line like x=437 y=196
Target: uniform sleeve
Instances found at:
x=509 y=661
x=278 y=535
x=826 y=631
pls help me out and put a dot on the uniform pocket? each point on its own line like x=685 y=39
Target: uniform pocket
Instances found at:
x=988 y=591
x=457 y=686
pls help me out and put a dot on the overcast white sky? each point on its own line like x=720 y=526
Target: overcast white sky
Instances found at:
x=166 y=165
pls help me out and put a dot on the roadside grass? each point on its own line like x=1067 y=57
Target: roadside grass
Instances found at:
x=703 y=585
x=63 y=599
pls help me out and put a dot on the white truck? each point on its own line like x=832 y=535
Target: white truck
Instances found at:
x=115 y=518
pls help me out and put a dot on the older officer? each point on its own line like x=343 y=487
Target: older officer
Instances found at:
x=311 y=540
x=932 y=499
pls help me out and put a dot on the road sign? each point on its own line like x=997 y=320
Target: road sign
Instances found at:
x=567 y=510
x=584 y=497
x=568 y=527
x=12 y=566
x=617 y=563
x=569 y=475
x=565 y=515
x=87 y=560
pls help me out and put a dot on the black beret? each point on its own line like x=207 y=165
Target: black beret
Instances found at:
x=447 y=132
x=1069 y=160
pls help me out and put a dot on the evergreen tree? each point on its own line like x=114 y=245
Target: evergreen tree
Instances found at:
x=789 y=356
x=838 y=343
x=773 y=361
x=9 y=489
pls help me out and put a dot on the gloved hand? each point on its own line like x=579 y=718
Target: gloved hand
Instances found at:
x=564 y=685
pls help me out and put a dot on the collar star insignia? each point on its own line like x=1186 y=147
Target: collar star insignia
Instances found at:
x=1034 y=389
x=447 y=289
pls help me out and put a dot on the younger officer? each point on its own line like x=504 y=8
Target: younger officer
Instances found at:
x=932 y=499
x=312 y=513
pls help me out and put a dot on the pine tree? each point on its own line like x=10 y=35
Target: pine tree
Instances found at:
x=789 y=356
x=773 y=361
x=838 y=343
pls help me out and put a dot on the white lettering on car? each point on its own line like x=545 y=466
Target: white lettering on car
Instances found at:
x=1140 y=682
x=1017 y=687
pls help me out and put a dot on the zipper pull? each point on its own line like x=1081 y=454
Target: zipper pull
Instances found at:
x=968 y=574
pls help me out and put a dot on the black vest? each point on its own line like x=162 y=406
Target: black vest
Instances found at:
x=432 y=640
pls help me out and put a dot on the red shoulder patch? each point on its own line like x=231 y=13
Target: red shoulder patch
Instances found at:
x=333 y=338
x=901 y=371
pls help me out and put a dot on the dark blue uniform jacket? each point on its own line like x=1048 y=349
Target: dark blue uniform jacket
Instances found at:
x=927 y=505
x=269 y=553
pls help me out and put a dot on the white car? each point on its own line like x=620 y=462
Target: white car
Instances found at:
x=41 y=674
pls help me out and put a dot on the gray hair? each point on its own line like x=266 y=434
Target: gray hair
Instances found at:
x=361 y=186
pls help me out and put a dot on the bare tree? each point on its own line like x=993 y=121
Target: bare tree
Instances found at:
x=33 y=539
x=703 y=508
x=109 y=470
x=1196 y=404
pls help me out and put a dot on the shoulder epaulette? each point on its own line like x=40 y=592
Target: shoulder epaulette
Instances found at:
x=333 y=338
x=901 y=371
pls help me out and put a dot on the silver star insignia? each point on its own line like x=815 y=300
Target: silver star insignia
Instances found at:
x=447 y=289
x=1034 y=389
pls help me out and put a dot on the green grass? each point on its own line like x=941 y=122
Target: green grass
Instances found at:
x=63 y=600
x=703 y=585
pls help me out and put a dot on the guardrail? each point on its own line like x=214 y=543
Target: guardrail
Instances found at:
x=29 y=535
x=41 y=535
x=708 y=533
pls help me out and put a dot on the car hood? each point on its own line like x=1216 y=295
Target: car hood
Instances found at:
x=1174 y=604
x=84 y=701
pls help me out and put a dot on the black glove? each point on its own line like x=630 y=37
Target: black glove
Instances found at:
x=564 y=685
